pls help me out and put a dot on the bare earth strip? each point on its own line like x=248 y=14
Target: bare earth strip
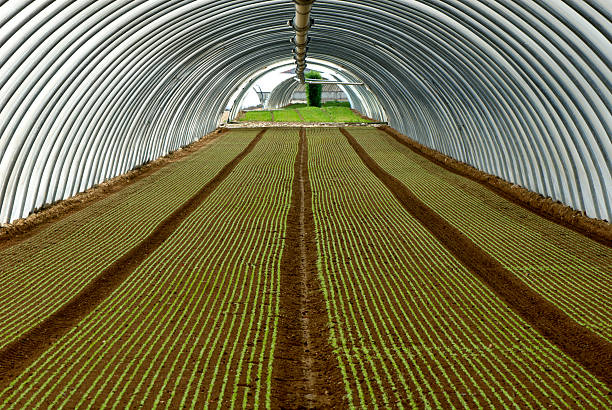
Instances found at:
x=45 y=271
x=411 y=326
x=195 y=325
x=570 y=270
x=306 y=373
x=18 y=354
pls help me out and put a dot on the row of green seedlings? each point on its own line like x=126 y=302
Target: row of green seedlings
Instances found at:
x=407 y=329
x=522 y=216
x=575 y=283
x=198 y=317
x=34 y=285
x=329 y=114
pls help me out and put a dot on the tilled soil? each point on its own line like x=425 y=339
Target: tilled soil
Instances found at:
x=254 y=319
x=306 y=374
x=552 y=322
x=17 y=355
x=408 y=315
x=567 y=269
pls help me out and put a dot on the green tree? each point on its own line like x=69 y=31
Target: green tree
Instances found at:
x=313 y=91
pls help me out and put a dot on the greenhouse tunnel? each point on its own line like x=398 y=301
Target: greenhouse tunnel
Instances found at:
x=521 y=89
x=361 y=98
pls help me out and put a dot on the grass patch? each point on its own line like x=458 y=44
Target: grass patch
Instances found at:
x=331 y=113
x=337 y=104
x=343 y=114
x=314 y=114
x=286 y=116
x=257 y=116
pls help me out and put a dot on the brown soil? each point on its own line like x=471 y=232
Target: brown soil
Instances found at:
x=596 y=229
x=590 y=350
x=17 y=355
x=300 y=114
x=306 y=373
x=166 y=303
x=365 y=117
x=22 y=229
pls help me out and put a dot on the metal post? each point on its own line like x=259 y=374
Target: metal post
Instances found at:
x=301 y=23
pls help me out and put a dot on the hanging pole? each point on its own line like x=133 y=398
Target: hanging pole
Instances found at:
x=314 y=81
x=301 y=23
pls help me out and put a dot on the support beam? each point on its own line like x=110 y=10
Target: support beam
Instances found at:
x=331 y=82
x=301 y=23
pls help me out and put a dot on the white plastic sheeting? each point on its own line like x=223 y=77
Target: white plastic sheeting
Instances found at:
x=519 y=88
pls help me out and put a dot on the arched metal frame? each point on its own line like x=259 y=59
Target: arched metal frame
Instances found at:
x=518 y=88
x=361 y=97
x=280 y=96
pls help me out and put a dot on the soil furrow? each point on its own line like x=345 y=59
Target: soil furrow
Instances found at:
x=17 y=355
x=306 y=374
x=590 y=350
x=300 y=114
x=567 y=269
x=563 y=215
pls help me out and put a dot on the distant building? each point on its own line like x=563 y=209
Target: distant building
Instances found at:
x=331 y=92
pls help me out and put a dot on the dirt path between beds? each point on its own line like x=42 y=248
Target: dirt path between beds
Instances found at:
x=306 y=373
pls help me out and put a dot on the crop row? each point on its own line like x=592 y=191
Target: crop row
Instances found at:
x=570 y=271
x=410 y=325
x=44 y=272
x=314 y=114
x=343 y=114
x=195 y=324
x=330 y=114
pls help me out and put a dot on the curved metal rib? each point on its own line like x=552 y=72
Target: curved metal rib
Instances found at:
x=521 y=89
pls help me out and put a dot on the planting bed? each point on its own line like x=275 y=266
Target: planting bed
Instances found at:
x=305 y=267
x=195 y=322
x=569 y=270
x=286 y=116
x=257 y=116
x=343 y=114
x=330 y=112
x=42 y=273
x=314 y=114
x=410 y=324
